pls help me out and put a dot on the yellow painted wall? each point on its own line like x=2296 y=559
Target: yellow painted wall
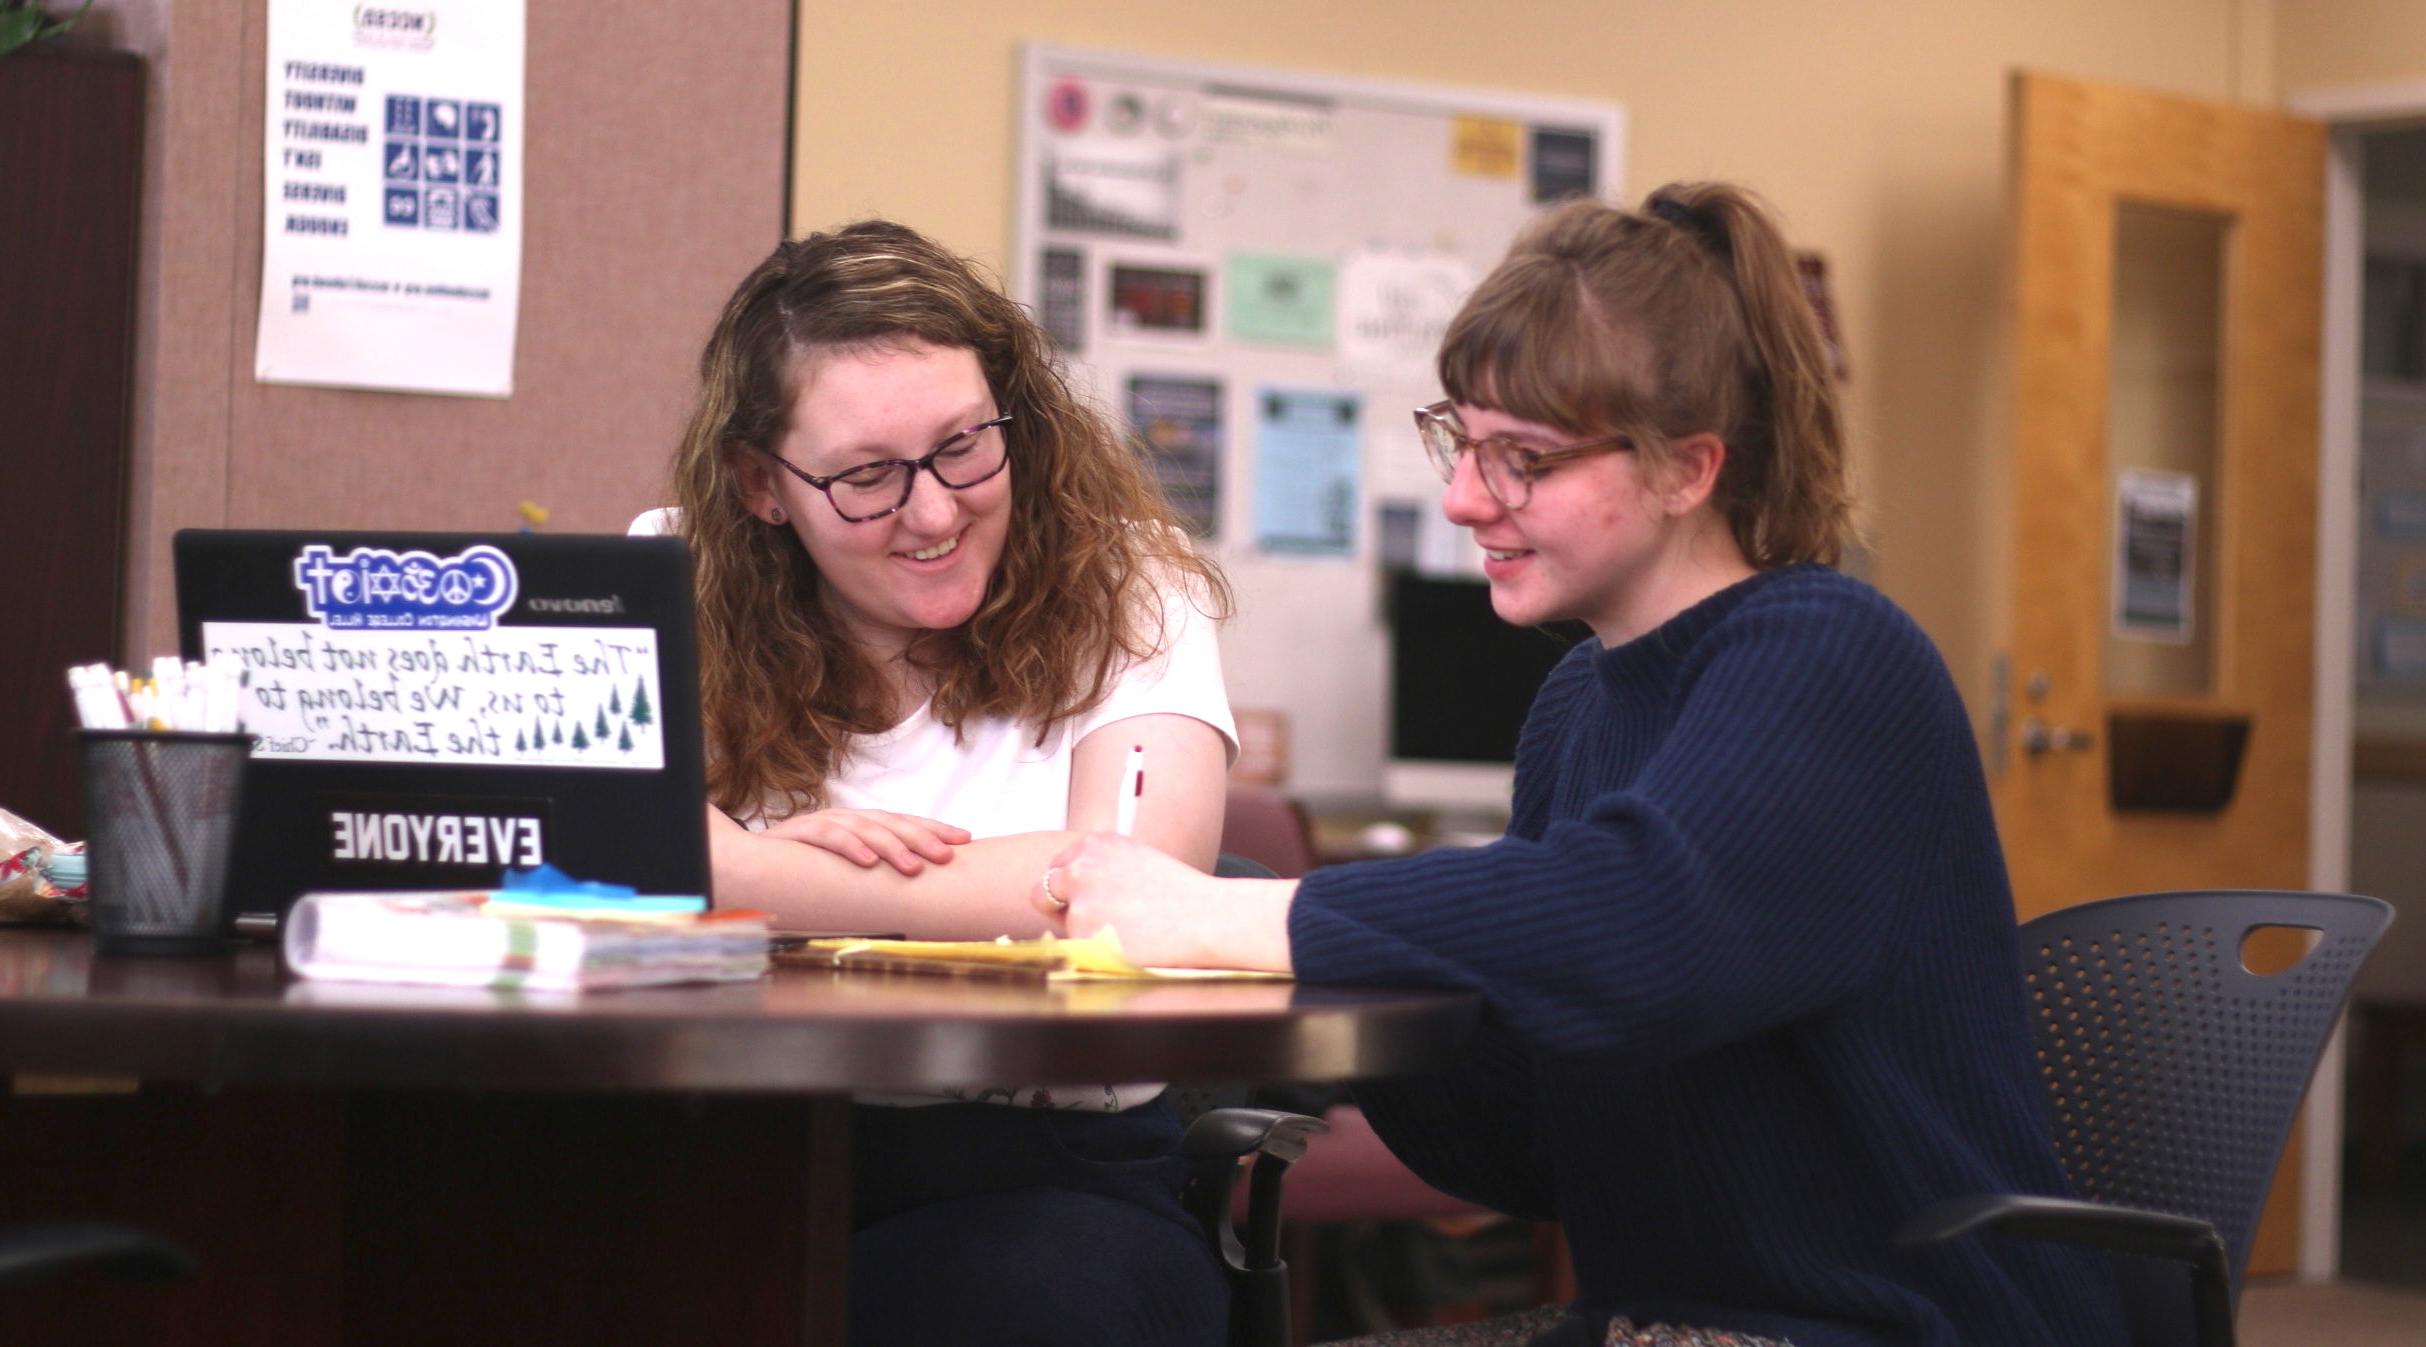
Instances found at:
x=2329 y=43
x=1877 y=126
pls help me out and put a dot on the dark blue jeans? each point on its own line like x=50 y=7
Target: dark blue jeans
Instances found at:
x=980 y=1223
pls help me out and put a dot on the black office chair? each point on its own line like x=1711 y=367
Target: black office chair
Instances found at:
x=2176 y=1074
x=1220 y=1135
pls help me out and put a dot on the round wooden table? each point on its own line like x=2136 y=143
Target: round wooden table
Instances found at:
x=475 y=1166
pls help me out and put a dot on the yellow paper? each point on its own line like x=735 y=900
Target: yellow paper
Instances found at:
x=1485 y=147
x=1095 y=958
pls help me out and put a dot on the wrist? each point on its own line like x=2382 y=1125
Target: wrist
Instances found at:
x=1251 y=928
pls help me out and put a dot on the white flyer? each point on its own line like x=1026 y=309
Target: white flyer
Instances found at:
x=1394 y=308
x=2155 y=554
x=496 y=697
x=391 y=252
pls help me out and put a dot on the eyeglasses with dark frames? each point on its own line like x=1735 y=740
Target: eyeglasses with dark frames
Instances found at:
x=1508 y=469
x=873 y=490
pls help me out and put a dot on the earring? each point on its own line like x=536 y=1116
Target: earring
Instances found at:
x=777 y=516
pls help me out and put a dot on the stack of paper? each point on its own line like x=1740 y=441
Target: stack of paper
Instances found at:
x=511 y=940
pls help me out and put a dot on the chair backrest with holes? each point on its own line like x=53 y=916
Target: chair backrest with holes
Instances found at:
x=2176 y=1072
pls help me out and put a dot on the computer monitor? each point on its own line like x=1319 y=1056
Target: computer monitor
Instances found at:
x=1461 y=680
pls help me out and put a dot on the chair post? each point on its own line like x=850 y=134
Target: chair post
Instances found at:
x=2211 y=1293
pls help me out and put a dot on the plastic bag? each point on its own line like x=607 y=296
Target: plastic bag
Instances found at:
x=41 y=878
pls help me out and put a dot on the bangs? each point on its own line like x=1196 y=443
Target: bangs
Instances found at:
x=1532 y=342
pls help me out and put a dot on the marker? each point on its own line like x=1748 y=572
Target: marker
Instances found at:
x=1132 y=789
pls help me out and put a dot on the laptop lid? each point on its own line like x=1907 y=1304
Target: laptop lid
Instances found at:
x=432 y=708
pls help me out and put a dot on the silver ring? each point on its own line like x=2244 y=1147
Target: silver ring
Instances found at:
x=1059 y=903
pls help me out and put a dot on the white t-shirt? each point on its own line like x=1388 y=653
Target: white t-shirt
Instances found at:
x=996 y=780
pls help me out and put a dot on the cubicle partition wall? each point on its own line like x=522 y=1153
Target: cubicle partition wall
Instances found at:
x=655 y=147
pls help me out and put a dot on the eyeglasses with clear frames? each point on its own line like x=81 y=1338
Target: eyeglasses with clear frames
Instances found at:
x=874 y=490
x=1508 y=469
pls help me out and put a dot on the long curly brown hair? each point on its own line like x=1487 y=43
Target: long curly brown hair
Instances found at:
x=1073 y=599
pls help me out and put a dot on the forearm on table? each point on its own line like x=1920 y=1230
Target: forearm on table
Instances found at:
x=982 y=892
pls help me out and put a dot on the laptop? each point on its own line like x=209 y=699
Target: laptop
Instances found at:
x=433 y=708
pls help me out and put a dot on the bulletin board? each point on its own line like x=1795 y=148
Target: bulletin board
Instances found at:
x=1253 y=269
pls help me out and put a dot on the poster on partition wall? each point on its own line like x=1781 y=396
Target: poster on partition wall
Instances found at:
x=391 y=253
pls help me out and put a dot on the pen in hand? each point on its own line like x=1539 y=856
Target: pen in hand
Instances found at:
x=1132 y=789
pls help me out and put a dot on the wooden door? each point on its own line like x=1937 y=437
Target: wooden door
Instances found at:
x=2168 y=272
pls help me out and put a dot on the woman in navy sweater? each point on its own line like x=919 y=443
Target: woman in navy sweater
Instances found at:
x=1747 y=951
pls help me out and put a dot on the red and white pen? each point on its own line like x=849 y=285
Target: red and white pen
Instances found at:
x=1132 y=789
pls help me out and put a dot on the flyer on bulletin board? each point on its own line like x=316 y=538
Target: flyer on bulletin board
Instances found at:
x=1394 y=309
x=1278 y=298
x=1308 y=448
x=391 y=253
x=1179 y=421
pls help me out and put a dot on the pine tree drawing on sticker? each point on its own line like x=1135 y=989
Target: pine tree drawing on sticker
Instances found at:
x=519 y=745
x=614 y=702
x=623 y=739
x=640 y=702
x=560 y=731
x=539 y=734
x=600 y=733
x=580 y=741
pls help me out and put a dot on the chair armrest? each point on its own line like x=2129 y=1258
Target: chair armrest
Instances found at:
x=29 y=1252
x=2131 y=1230
x=1213 y=1145
x=2154 y=1234
x=1236 y=1133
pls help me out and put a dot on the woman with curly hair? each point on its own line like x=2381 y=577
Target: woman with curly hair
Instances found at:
x=939 y=601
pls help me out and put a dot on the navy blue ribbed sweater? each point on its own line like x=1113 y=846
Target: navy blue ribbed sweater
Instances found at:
x=1750 y=976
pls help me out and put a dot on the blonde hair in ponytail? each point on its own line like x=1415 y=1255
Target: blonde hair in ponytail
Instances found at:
x=1686 y=317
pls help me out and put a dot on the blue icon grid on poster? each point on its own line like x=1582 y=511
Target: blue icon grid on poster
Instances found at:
x=442 y=164
x=403 y=115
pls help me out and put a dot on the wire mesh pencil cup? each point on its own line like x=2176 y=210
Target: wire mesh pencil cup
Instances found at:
x=162 y=807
